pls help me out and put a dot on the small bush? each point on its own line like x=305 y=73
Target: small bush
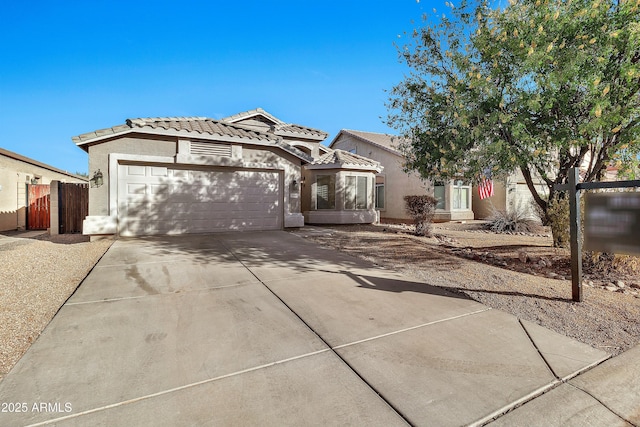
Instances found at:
x=518 y=220
x=558 y=213
x=605 y=263
x=421 y=209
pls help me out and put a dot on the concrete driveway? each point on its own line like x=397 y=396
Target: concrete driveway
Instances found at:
x=268 y=329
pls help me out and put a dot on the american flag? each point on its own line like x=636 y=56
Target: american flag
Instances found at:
x=485 y=188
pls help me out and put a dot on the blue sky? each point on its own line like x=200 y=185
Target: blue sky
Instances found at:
x=70 y=67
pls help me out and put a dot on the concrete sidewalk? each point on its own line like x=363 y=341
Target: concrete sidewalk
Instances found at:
x=267 y=328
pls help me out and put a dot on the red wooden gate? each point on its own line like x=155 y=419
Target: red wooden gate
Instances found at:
x=38 y=206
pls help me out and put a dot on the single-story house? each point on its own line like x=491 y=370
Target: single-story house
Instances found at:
x=393 y=183
x=16 y=173
x=250 y=171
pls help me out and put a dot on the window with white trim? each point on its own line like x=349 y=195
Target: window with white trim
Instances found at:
x=355 y=192
x=461 y=195
x=325 y=192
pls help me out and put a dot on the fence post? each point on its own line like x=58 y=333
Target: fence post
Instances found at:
x=54 y=211
x=575 y=231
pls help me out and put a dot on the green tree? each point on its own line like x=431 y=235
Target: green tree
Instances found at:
x=541 y=86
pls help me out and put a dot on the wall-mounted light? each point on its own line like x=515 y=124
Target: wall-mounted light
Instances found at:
x=294 y=185
x=96 y=180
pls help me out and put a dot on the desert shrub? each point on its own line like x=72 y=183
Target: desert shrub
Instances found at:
x=517 y=220
x=558 y=213
x=421 y=209
x=606 y=263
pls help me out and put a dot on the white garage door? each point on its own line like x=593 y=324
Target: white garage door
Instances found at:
x=161 y=200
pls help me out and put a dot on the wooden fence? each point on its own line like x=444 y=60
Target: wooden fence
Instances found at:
x=73 y=206
x=38 y=206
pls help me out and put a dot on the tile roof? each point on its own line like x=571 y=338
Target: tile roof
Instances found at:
x=252 y=113
x=386 y=141
x=200 y=125
x=344 y=159
x=279 y=127
x=289 y=128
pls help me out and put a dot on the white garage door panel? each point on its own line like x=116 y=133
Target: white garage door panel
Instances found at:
x=159 y=200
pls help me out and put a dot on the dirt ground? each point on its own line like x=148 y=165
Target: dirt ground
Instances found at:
x=518 y=273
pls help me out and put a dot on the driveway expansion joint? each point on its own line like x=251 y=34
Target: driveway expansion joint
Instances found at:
x=181 y=292
x=329 y=348
x=411 y=328
x=544 y=359
x=602 y=403
x=176 y=389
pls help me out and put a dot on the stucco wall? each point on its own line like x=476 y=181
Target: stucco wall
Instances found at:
x=509 y=195
x=397 y=182
x=483 y=209
x=175 y=150
x=99 y=160
x=14 y=176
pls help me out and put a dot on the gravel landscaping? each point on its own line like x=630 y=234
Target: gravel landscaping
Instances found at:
x=38 y=275
x=520 y=274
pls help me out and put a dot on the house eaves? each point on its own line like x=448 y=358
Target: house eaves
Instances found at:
x=339 y=159
x=23 y=159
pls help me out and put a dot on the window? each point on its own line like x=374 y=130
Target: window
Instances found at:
x=356 y=192
x=325 y=192
x=438 y=193
x=379 y=192
x=461 y=194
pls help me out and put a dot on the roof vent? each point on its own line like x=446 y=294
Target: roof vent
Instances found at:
x=209 y=149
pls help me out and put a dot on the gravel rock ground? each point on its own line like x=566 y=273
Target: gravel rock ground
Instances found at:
x=37 y=276
x=606 y=320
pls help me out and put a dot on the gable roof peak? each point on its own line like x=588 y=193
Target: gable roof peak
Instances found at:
x=383 y=140
x=252 y=113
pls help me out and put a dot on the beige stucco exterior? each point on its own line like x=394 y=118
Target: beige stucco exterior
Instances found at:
x=16 y=172
x=340 y=213
x=268 y=168
x=140 y=145
x=509 y=195
x=399 y=183
x=175 y=151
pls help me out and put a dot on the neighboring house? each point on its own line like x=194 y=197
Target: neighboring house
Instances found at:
x=393 y=183
x=16 y=172
x=514 y=194
x=510 y=195
x=179 y=175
